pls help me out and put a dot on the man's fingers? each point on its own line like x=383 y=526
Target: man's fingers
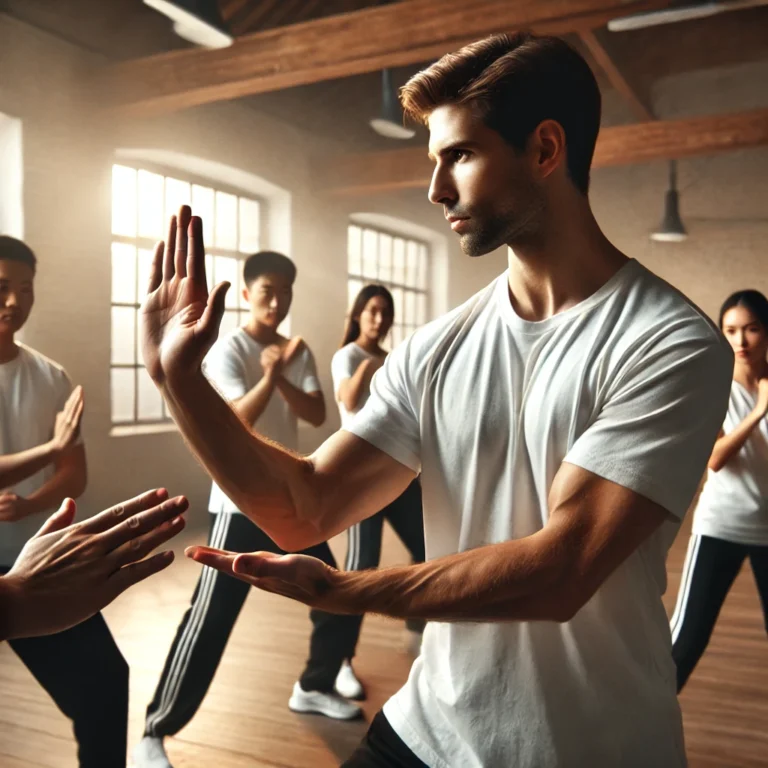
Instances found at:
x=60 y=519
x=182 y=240
x=115 y=515
x=156 y=270
x=139 y=547
x=133 y=574
x=196 y=253
x=169 y=267
x=267 y=565
x=210 y=321
x=135 y=526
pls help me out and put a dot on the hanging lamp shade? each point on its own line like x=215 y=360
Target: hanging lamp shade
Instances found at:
x=198 y=21
x=390 y=123
x=671 y=229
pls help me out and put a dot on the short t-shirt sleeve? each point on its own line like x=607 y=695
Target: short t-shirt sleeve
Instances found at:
x=342 y=367
x=390 y=418
x=302 y=372
x=655 y=432
x=225 y=370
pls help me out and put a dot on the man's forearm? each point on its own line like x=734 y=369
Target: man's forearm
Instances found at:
x=512 y=581
x=68 y=482
x=253 y=403
x=308 y=407
x=19 y=466
x=267 y=482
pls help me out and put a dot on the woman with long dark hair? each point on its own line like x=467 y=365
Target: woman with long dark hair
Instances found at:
x=731 y=519
x=353 y=366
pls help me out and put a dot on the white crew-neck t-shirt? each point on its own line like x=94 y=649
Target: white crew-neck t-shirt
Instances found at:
x=630 y=384
x=33 y=389
x=734 y=502
x=233 y=366
x=344 y=364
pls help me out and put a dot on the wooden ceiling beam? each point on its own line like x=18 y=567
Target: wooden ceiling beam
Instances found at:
x=605 y=61
x=376 y=172
x=398 y=34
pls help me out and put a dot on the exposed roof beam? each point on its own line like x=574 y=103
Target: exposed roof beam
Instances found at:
x=398 y=34
x=617 y=79
x=374 y=172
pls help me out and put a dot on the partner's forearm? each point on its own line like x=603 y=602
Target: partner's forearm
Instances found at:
x=253 y=403
x=512 y=581
x=68 y=482
x=19 y=466
x=729 y=445
x=357 y=384
x=268 y=483
x=309 y=407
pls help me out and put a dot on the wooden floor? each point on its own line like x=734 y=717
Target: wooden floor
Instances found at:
x=244 y=721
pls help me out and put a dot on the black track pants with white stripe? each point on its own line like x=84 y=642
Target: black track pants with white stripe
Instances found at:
x=711 y=566
x=205 y=629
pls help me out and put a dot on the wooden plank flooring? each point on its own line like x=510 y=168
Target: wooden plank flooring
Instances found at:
x=244 y=720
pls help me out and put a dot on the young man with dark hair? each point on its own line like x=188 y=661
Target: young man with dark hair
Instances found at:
x=271 y=382
x=42 y=462
x=561 y=420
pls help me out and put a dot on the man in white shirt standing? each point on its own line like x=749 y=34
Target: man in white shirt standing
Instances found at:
x=561 y=420
x=271 y=382
x=81 y=668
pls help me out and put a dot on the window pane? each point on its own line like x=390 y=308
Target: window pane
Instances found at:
x=354 y=250
x=370 y=255
x=123 y=273
x=397 y=295
x=123 y=335
x=202 y=206
x=250 y=225
x=145 y=267
x=151 y=221
x=229 y=322
x=226 y=221
x=210 y=274
x=122 y=386
x=398 y=261
x=397 y=335
x=421 y=309
x=409 y=317
x=149 y=399
x=423 y=267
x=123 y=201
x=413 y=263
x=240 y=285
x=385 y=258
x=226 y=269
x=353 y=288
x=177 y=193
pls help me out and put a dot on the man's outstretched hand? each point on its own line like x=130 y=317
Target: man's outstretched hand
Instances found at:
x=180 y=321
x=67 y=572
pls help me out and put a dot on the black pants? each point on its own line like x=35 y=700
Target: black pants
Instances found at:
x=711 y=566
x=85 y=674
x=205 y=629
x=382 y=748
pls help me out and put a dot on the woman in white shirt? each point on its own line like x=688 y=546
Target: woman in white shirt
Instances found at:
x=731 y=519
x=353 y=367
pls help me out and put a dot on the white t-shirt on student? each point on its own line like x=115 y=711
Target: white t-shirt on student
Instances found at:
x=734 y=503
x=344 y=364
x=234 y=367
x=630 y=384
x=33 y=389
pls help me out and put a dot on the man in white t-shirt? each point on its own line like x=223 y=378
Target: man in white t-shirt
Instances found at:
x=271 y=382
x=45 y=463
x=561 y=419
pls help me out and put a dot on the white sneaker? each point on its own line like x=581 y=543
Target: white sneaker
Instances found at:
x=347 y=684
x=328 y=704
x=150 y=753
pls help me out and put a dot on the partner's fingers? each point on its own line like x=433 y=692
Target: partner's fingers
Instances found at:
x=169 y=253
x=120 y=512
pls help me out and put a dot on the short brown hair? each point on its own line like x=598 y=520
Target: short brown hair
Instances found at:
x=516 y=82
x=12 y=249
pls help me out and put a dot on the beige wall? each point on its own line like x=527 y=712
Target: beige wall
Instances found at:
x=68 y=152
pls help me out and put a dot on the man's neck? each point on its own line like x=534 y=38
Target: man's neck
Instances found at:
x=9 y=349
x=564 y=266
x=264 y=334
